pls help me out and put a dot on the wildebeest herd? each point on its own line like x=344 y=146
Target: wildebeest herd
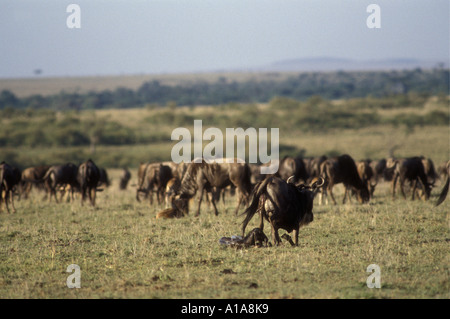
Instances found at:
x=284 y=199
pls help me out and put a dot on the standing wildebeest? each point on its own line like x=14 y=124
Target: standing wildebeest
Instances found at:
x=444 y=191
x=9 y=177
x=410 y=169
x=88 y=177
x=342 y=169
x=283 y=204
x=204 y=176
x=61 y=175
x=290 y=166
x=32 y=176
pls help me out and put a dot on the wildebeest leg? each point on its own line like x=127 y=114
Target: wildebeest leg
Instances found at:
x=213 y=201
x=414 y=189
x=394 y=182
x=92 y=195
x=200 y=200
x=296 y=236
x=11 y=195
x=261 y=222
x=239 y=204
x=330 y=189
x=402 y=181
x=275 y=236
x=53 y=191
x=345 y=195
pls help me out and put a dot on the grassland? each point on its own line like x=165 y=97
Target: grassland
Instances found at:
x=124 y=252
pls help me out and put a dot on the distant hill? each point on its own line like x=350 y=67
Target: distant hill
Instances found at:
x=336 y=64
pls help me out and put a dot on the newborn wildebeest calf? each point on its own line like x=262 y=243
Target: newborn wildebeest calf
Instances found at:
x=283 y=204
x=255 y=238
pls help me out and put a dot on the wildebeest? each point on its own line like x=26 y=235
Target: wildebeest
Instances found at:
x=204 y=176
x=61 y=175
x=429 y=169
x=283 y=204
x=9 y=177
x=379 y=172
x=342 y=169
x=444 y=190
x=32 y=176
x=172 y=189
x=104 y=179
x=153 y=177
x=256 y=237
x=312 y=166
x=410 y=169
x=124 y=179
x=290 y=166
x=88 y=177
x=366 y=174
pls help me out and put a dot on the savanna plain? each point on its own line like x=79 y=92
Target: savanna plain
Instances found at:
x=123 y=251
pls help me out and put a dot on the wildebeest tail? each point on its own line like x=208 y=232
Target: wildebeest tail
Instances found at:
x=443 y=192
x=258 y=191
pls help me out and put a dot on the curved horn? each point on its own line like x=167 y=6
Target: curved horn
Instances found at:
x=319 y=183
x=290 y=180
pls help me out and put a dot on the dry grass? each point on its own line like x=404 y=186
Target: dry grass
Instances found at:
x=125 y=252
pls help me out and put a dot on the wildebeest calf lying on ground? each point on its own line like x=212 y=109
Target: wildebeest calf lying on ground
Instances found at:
x=283 y=204
x=255 y=238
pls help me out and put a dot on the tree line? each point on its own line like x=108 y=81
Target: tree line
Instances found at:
x=330 y=85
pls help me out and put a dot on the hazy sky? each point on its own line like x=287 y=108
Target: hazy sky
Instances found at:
x=138 y=37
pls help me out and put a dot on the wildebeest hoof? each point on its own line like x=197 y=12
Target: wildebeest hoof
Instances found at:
x=288 y=238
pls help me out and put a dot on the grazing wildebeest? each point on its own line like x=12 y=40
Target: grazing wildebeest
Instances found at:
x=153 y=177
x=156 y=178
x=365 y=172
x=104 y=179
x=430 y=171
x=124 y=179
x=442 y=170
x=200 y=177
x=444 y=190
x=61 y=175
x=172 y=189
x=312 y=166
x=342 y=169
x=379 y=172
x=32 y=176
x=410 y=169
x=9 y=177
x=283 y=204
x=290 y=166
